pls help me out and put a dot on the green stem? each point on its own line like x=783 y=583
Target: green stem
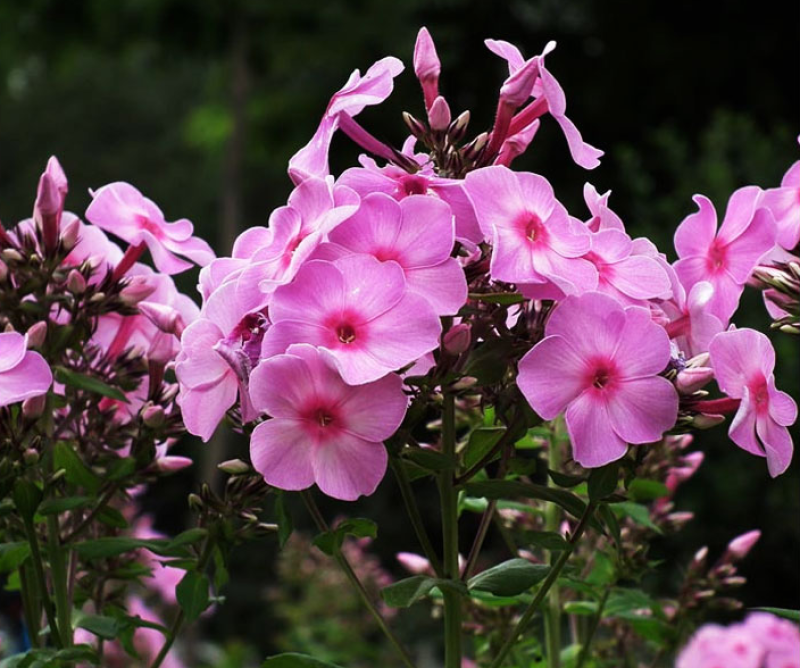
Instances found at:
x=58 y=573
x=102 y=502
x=322 y=525
x=30 y=604
x=552 y=620
x=414 y=515
x=595 y=623
x=41 y=583
x=449 y=502
x=549 y=581
x=180 y=618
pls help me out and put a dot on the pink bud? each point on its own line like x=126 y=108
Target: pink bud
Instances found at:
x=153 y=416
x=427 y=66
x=137 y=289
x=457 y=339
x=680 y=518
x=33 y=408
x=414 y=563
x=171 y=464
x=439 y=115
x=37 y=334
x=3 y=271
x=166 y=318
x=707 y=421
x=689 y=380
x=70 y=233
x=680 y=441
x=741 y=545
x=516 y=90
x=76 y=283
x=700 y=556
x=50 y=202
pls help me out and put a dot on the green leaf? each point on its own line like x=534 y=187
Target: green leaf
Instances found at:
x=188 y=537
x=283 y=518
x=603 y=571
x=192 y=594
x=406 y=592
x=112 y=546
x=510 y=578
x=793 y=615
x=503 y=298
x=77 y=473
x=610 y=520
x=637 y=512
x=581 y=607
x=547 y=540
x=111 y=517
x=121 y=468
x=431 y=460
x=480 y=443
x=603 y=481
x=647 y=490
x=13 y=555
x=623 y=602
x=88 y=383
x=27 y=497
x=565 y=480
x=294 y=660
x=103 y=627
x=331 y=541
x=488 y=362
x=502 y=489
x=58 y=505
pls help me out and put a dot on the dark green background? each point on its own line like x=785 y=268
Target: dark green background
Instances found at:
x=200 y=104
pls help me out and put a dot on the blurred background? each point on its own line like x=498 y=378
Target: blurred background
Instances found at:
x=200 y=104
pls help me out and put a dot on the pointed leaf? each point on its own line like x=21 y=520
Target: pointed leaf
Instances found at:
x=510 y=578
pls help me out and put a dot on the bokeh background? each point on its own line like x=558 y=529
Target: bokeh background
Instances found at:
x=201 y=103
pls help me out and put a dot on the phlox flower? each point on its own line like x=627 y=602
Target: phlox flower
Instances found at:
x=533 y=238
x=417 y=233
x=743 y=361
x=23 y=373
x=121 y=209
x=359 y=311
x=322 y=430
x=359 y=92
x=691 y=324
x=599 y=362
x=603 y=218
x=784 y=203
x=724 y=258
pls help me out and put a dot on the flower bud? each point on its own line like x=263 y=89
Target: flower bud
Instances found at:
x=33 y=407
x=3 y=271
x=700 y=557
x=153 y=416
x=414 y=563
x=735 y=581
x=11 y=255
x=707 y=421
x=465 y=383
x=234 y=467
x=517 y=88
x=171 y=464
x=30 y=456
x=691 y=379
x=138 y=289
x=166 y=318
x=741 y=545
x=36 y=334
x=195 y=502
x=427 y=66
x=457 y=339
x=458 y=128
x=76 y=283
x=414 y=126
x=439 y=115
x=69 y=234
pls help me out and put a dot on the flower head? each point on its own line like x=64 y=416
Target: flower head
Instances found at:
x=600 y=362
x=322 y=430
x=23 y=374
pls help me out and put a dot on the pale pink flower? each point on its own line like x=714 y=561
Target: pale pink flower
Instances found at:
x=600 y=362
x=23 y=374
x=418 y=234
x=715 y=646
x=691 y=325
x=743 y=362
x=322 y=430
x=725 y=259
x=779 y=638
x=359 y=92
x=603 y=218
x=784 y=203
x=359 y=311
x=121 y=209
x=533 y=238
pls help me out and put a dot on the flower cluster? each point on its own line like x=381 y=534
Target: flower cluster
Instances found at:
x=313 y=319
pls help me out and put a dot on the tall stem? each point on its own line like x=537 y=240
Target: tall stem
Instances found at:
x=414 y=515
x=30 y=604
x=41 y=583
x=322 y=525
x=58 y=573
x=552 y=620
x=449 y=502
x=549 y=581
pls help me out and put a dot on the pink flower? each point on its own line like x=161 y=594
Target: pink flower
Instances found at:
x=691 y=324
x=784 y=202
x=322 y=430
x=600 y=362
x=743 y=361
x=359 y=311
x=741 y=545
x=121 y=209
x=23 y=374
x=417 y=233
x=725 y=258
x=533 y=237
x=779 y=638
x=359 y=92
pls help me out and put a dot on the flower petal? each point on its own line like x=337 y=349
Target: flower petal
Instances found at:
x=347 y=466
x=281 y=452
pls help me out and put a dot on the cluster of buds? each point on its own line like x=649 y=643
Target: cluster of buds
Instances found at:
x=781 y=285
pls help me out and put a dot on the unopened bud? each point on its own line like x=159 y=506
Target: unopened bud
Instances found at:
x=465 y=383
x=516 y=90
x=195 y=502
x=704 y=595
x=3 y=271
x=457 y=339
x=680 y=519
x=172 y=463
x=700 y=556
x=707 y=421
x=33 y=407
x=414 y=126
x=439 y=114
x=427 y=66
x=97 y=297
x=166 y=318
x=70 y=233
x=76 y=283
x=154 y=417
x=458 y=128
x=474 y=148
x=138 y=289
x=691 y=379
x=9 y=328
x=741 y=545
x=234 y=467
x=37 y=333
x=735 y=581
x=30 y=456
x=11 y=255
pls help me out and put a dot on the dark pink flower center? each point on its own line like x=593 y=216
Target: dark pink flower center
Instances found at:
x=323 y=417
x=413 y=185
x=532 y=228
x=346 y=333
x=146 y=224
x=602 y=374
x=717 y=257
x=759 y=393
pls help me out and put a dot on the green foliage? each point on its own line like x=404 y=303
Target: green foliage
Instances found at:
x=509 y=578
x=330 y=542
